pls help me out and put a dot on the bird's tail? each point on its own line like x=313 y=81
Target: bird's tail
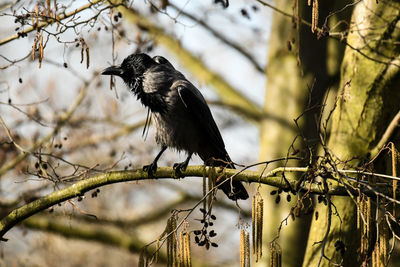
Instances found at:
x=233 y=189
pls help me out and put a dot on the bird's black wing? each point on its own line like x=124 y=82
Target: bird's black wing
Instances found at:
x=199 y=110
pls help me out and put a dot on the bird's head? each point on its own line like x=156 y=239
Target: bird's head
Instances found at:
x=132 y=68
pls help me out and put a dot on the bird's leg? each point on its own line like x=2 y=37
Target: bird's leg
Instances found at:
x=152 y=167
x=179 y=167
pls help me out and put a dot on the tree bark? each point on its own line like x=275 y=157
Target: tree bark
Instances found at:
x=300 y=69
x=369 y=99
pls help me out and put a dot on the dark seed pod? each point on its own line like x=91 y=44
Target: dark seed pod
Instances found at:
x=214 y=245
x=288 y=198
x=197 y=232
x=20 y=80
x=316 y=215
x=289 y=46
x=196 y=239
x=212 y=233
x=65 y=65
x=273 y=192
x=37 y=165
x=286 y=189
x=202 y=210
x=205 y=224
x=208 y=245
x=213 y=217
x=202 y=243
x=278 y=199
x=210 y=223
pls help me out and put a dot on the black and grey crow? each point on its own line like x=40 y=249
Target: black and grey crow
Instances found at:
x=182 y=117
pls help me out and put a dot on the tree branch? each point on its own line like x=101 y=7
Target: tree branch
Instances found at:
x=386 y=135
x=273 y=178
x=63 y=119
x=49 y=22
x=87 y=231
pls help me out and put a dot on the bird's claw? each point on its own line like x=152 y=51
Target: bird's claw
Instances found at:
x=179 y=168
x=150 y=169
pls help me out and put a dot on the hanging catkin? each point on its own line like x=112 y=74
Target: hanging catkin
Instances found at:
x=172 y=253
x=314 y=24
x=244 y=248
x=394 y=173
x=276 y=255
x=257 y=225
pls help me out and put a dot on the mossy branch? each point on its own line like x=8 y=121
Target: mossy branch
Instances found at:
x=273 y=178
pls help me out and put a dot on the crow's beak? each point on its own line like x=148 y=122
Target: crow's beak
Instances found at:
x=113 y=70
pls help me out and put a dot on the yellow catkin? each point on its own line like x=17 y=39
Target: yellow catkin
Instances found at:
x=314 y=23
x=383 y=243
x=181 y=250
x=368 y=216
x=394 y=173
x=41 y=50
x=242 y=248
x=253 y=224
x=48 y=8
x=169 y=244
x=172 y=259
x=276 y=255
x=87 y=57
x=82 y=50
x=247 y=245
x=34 y=48
x=358 y=212
x=55 y=10
x=205 y=191
x=309 y=2
x=261 y=223
x=174 y=241
x=188 y=260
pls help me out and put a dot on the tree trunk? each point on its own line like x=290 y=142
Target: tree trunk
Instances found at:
x=291 y=73
x=368 y=100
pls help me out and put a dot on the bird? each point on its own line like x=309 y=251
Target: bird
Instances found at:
x=182 y=118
